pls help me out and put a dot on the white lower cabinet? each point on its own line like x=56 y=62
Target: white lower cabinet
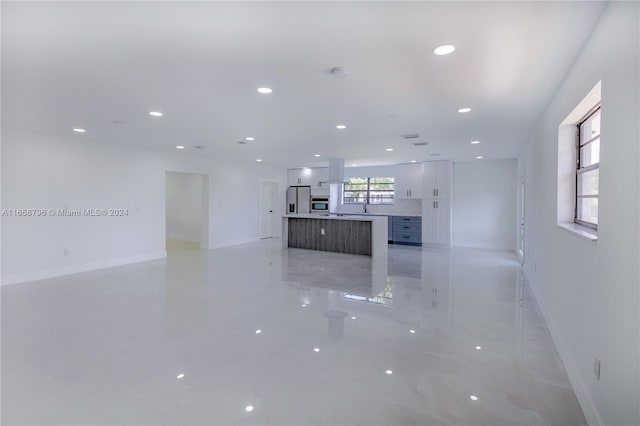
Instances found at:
x=436 y=222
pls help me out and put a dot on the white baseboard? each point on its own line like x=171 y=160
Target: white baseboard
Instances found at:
x=482 y=246
x=184 y=237
x=232 y=243
x=57 y=272
x=582 y=394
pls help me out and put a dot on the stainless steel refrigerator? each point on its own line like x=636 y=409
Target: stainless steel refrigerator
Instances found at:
x=299 y=200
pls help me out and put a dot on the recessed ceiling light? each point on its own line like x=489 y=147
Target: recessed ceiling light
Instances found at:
x=473 y=398
x=475 y=142
x=248 y=408
x=445 y=49
x=341 y=126
x=250 y=138
x=316 y=349
x=478 y=348
x=259 y=160
x=465 y=109
x=412 y=331
x=479 y=157
x=264 y=90
x=353 y=317
x=179 y=147
x=389 y=149
x=156 y=113
x=180 y=376
x=304 y=305
x=413 y=161
x=389 y=372
x=258 y=331
x=79 y=130
x=316 y=155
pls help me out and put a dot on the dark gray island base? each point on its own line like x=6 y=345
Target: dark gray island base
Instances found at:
x=341 y=234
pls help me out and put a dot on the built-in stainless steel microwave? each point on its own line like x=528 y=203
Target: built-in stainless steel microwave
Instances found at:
x=319 y=204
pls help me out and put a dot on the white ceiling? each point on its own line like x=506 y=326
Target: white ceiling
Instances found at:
x=85 y=64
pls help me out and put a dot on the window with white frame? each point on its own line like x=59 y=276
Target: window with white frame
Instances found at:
x=579 y=166
x=588 y=169
x=369 y=190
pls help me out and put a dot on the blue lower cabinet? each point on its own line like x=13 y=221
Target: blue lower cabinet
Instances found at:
x=406 y=229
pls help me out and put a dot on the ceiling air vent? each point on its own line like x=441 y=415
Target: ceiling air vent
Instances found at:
x=411 y=136
x=419 y=143
x=200 y=147
x=242 y=142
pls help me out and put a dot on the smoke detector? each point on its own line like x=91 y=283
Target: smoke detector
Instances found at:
x=339 y=72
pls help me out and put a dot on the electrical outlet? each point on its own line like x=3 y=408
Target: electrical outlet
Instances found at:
x=596 y=368
x=321 y=231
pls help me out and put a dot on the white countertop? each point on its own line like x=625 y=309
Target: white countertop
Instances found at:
x=363 y=218
x=384 y=214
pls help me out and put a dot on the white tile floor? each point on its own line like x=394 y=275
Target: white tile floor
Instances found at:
x=176 y=342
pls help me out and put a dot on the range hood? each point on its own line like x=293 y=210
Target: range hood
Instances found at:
x=336 y=170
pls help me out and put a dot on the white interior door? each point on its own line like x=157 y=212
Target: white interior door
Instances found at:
x=268 y=202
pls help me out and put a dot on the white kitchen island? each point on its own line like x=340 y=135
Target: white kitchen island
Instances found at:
x=365 y=235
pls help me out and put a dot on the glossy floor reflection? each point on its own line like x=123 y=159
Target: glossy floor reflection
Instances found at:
x=255 y=334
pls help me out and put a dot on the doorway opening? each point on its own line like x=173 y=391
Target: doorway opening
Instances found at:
x=268 y=217
x=187 y=211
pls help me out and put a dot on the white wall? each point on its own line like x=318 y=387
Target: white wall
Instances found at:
x=40 y=171
x=184 y=206
x=484 y=205
x=589 y=291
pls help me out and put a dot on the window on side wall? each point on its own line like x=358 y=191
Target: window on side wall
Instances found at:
x=579 y=142
x=588 y=170
x=370 y=190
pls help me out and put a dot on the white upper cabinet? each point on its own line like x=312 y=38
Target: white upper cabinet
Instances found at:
x=320 y=181
x=316 y=178
x=437 y=179
x=408 y=181
x=292 y=177
x=296 y=177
